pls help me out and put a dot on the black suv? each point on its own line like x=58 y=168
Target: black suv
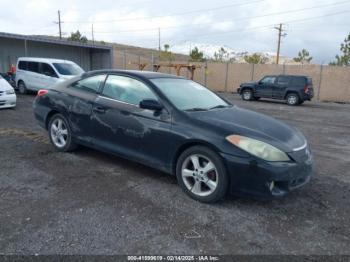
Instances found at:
x=294 y=89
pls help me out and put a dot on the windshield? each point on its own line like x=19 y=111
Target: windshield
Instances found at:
x=188 y=95
x=68 y=69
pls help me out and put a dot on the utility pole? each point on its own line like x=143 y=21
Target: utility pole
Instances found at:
x=159 y=48
x=280 y=35
x=92 y=33
x=59 y=23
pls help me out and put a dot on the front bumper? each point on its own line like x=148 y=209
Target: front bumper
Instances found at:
x=8 y=101
x=262 y=179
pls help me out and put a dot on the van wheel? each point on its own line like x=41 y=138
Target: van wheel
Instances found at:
x=22 y=88
x=202 y=175
x=292 y=99
x=247 y=94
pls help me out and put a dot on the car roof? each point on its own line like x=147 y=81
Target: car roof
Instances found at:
x=290 y=75
x=135 y=73
x=43 y=60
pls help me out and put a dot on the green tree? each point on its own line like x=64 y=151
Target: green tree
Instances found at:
x=255 y=59
x=221 y=56
x=196 y=55
x=166 y=54
x=344 y=58
x=303 y=57
x=78 y=37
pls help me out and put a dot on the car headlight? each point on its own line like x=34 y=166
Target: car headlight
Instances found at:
x=258 y=148
x=10 y=92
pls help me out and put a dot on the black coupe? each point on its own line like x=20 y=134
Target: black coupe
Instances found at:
x=178 y=126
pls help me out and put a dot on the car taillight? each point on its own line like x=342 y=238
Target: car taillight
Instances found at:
x=306 y=89
x=42 y=92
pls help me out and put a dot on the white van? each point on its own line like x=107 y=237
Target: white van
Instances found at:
x=42 y=73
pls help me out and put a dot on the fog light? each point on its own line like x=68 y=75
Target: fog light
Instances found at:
x=272 y=185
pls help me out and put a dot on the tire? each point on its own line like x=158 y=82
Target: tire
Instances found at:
x=60 y=134
x=292 y=99
x=22 y=89
x=207 y=184
x=247 y=94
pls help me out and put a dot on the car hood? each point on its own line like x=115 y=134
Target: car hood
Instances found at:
x=235 y=120
x=66 y=77
x=4 y=85
x=249 y=84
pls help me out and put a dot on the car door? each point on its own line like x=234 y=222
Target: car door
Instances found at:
x=48 y=76
x=264 y=87
x=122 y=127
x=79 y=98
x=279 y=89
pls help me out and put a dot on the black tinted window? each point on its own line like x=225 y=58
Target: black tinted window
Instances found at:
x=22 y=65
x=90 y=84
x=268 y=80
x=282 y=80
x=127 y=90
x=33 y=67
x=298 y=81
x=46 y=69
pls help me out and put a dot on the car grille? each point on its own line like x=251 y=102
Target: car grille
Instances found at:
x=302 y=156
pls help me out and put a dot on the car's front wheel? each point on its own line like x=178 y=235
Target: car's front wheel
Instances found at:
x=60 y=134
x=247 y=94
x=201 y=174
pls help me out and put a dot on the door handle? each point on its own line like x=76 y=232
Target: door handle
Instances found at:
x=99 y=109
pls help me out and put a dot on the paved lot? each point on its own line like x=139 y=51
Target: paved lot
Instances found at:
x=88 y=202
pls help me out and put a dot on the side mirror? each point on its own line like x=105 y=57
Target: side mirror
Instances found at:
x=151 y=104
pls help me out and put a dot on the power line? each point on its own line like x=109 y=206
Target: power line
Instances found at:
x=232 y=20
x=169 y=15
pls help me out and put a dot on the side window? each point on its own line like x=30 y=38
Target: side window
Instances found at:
x=127 y=90
x=298 y=81
x=283 y=80
x=47 y=70
x=33 y=67
x=22 y=65
x=268 y=80
x=90 y=84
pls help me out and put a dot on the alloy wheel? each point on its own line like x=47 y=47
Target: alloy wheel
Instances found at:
x=199 y=175
x=247 y=95
x=59 y=133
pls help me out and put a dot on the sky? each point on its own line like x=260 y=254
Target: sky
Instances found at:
x=243 y=25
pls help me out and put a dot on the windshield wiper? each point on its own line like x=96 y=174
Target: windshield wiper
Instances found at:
x=218 y=106
x=197 y=109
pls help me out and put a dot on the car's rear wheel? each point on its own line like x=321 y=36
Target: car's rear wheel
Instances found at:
x=247 y=94
x=201 y=174
x=22 y=89
x=60 y=134
x=292 y=99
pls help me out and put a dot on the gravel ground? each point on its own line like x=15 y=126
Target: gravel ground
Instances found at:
x=88 y=202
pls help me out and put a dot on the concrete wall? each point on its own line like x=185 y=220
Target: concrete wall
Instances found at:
x=331 y=83
x=87 y=58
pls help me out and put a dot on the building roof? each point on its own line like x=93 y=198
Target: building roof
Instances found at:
x=54 y=40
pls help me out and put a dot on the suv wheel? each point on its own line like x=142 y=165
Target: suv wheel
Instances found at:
x=22 y=88
x=292 y=99
x=247 y=94
x=201 y=174
x=60 y=134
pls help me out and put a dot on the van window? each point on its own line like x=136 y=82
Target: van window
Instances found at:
x=68 y=69
x=47 y=70
x=33 y=67
x=22 y=65
x=90 y=84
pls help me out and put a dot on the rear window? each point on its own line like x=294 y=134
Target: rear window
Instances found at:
x=33 y=67
x=298 y=81
x=22 y=65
